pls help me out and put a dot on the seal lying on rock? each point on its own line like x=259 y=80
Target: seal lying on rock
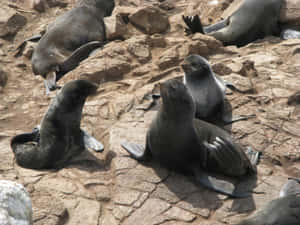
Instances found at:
x=59 y=137
x=70 y=39
x=181 y=142
x=208 y=91
x=253 y=20
x=284 y=210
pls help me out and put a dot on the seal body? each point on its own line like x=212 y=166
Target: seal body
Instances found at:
x=71 y=35
x=208 y=90
x=284 y=210
x=253 y=20
x=183 y=143
x=59 y=137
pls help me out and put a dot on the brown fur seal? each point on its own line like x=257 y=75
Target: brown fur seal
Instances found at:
x=253 y=20
x=70 y=39
x=59 y=137
x=208 y=91
x=179 y=141
x=284 y=210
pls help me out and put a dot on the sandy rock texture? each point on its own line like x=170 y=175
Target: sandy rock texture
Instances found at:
x=110 y=187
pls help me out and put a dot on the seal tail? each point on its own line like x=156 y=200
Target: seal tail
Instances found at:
x=218 y=185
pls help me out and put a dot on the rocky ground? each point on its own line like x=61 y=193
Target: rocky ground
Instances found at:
x=110 y=187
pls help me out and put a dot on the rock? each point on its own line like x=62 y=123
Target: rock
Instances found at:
x=169 y=58
x=149 y=213
x=15 y=204
x=114 y=27
x=150 y=20
x=42 y=5
x=290 y=12
x=3 y=78
x=210 y=41
x=138 y=47
x=180 y=214
x=10 y=22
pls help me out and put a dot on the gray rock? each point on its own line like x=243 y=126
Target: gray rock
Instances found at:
x=15 y=204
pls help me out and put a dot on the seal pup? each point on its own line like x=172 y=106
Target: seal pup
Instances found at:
x=59 y=137
x=208 y=91
x=284 y=210
x=253 y=20
x=181 y=142
x=70 y=39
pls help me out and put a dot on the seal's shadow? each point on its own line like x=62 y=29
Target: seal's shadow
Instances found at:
x=89 y=162
x=191 y=194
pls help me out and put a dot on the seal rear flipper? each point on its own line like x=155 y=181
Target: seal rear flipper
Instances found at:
x=236 y=118
x=194 y=24
x=77 y=56
x=253 y=155
x=91 y=142
x=136 y=151
x=218 y=185
x=21 y=46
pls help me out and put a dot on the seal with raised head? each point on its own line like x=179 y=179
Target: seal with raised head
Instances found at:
x=254 y=19
x=59 y=137
x=208 y=91
x=181 y=142
x=70 y=39
x=284 y=210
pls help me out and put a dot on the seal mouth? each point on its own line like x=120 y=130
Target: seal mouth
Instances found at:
x=50 y=80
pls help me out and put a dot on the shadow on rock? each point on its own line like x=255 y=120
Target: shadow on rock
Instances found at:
x=89 y=162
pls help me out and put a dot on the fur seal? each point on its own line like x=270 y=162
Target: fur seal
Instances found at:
x=208 y=91
x=59 y=137
x=254 y=19
x=284 y=210
x=181 y=142
x=70 y=39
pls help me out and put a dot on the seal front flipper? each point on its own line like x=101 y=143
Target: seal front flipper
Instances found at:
x=218 y=185
x=21 y=46
x=77 y=56
x=91 y=142
x=136 y=151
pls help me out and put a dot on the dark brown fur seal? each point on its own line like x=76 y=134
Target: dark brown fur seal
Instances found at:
x=208 y=91
x=70 y=39
x=59 y=137
x=179 y=141
x=284 y=210
x=253 y=20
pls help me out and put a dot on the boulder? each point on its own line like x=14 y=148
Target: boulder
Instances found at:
x=10 y=22
x=150 y=20
x=15 y=204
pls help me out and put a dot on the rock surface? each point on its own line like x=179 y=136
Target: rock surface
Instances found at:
x=15 y=204
x=112 y=188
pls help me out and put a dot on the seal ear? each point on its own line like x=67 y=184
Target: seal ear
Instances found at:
x=77 y=56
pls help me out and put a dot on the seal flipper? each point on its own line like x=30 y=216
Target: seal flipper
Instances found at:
x=253 y=156
x=136 y=151
x=218 y=185
x=77 y=56
x=194 y=24
x=226 y=120
x=91 y=142
x=21 y=46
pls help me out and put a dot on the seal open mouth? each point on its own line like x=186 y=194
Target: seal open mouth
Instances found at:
x=50 y=80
